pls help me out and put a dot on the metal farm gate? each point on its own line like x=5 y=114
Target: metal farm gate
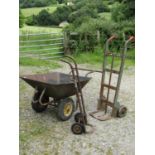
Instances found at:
x=41 y=46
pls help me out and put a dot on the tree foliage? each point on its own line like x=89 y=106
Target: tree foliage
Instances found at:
x=21 y=19
x=46 y=18
x=124 y=10
x=36 y=3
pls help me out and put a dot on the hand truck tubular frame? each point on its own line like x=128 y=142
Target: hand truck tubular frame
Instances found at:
x=79 y=95
x=103 y=102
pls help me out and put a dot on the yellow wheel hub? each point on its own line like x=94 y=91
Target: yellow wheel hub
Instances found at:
x=68 y=109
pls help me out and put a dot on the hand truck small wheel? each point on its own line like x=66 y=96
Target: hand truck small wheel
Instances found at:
x=122 y=111
x=79 y=118
x=78 y=128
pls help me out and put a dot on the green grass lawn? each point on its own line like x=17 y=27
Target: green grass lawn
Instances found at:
x=39 y=29
x=106 y=15
x=96 y=58
x=34 y=11
x=36 y=51
x=37 y=62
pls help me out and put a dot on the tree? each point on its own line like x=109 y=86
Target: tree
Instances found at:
x=36 y=3
x=61 y=1
x=124 y=10
x=21 y=19
x=44 y=18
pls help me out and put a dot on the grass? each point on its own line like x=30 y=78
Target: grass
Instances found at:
x=34 y=11
x=96 y=58
x=45 y=40
x=106 y=15
x=35 y=129
x=39 y=29
x=36 y=62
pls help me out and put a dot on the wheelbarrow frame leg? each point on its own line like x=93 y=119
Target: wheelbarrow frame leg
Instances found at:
x=40 y=97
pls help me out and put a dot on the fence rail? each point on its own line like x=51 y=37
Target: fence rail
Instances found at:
x=38 y=34
x=30 y=41
x=37 y=46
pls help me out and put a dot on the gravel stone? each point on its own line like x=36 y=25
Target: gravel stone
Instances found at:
x=43 y=134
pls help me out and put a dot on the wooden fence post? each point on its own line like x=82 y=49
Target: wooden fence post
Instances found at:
x=66 y=43
x=98 y=36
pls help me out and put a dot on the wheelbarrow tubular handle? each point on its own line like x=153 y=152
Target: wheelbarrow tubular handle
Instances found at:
x=90 y=71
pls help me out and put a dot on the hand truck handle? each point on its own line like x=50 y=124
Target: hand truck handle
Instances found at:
x=108 y=42
x=111 y=38
x=131 y=38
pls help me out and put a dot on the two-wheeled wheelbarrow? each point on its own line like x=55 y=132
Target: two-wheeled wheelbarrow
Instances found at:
x=56 y=89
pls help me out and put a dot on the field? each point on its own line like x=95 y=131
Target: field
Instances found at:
x=34 y=11
x=106 y=15
x=32 y=47
x=39 y=29
x=95 y=58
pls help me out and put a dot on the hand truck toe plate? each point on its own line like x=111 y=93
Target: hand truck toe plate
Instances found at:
x=100 y=115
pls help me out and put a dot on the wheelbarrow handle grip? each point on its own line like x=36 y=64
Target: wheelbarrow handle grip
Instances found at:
x=112 y=38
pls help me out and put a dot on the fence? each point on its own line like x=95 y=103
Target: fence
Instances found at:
x=41 y=46
x=54 y=45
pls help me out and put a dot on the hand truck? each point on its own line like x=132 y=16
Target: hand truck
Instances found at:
x=103 y=101
x=81 y=117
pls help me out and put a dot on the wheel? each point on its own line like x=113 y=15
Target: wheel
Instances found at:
x=65 y=109
x=36 y=106
x=79 y=117
x=122 y=111
x=78 y=128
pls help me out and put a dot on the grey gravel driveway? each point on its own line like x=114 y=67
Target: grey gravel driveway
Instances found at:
x=43 y=134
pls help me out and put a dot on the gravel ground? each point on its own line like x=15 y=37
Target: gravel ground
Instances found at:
x=43 y=134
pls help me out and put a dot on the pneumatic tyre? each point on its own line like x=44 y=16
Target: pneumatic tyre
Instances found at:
x=65 y=109
x=79 y=117
x=78 y=128
x=122 y=111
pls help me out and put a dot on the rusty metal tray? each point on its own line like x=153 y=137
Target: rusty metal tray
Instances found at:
x=58 y=85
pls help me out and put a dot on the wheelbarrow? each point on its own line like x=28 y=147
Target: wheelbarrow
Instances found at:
x=54 y=89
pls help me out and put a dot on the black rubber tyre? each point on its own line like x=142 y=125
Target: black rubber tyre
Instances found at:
x=65 y=109
x=78 y=128
x=37 y=106
x=79 y=118
x=122 y=111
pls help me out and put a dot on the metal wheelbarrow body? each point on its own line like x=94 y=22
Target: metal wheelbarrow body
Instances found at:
x=57 y=85
x=54 y=89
